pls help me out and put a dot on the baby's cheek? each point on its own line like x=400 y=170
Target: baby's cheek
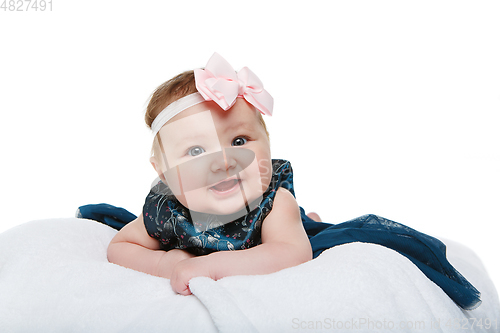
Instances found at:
x=195 y=200
x=193 y=174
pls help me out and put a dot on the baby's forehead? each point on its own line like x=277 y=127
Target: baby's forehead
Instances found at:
x=201 y=118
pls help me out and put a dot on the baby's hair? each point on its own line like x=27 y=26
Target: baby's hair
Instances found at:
x=168 y=92
x=177 y=87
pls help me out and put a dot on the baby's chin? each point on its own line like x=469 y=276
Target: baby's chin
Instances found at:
x=233 y=209
x=223 y=209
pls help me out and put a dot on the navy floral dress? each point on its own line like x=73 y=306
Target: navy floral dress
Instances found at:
x=168 y=221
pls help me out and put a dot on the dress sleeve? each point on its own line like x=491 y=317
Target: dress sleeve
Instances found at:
x=156 y=218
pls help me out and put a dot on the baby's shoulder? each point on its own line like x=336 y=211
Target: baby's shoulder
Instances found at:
x=284 y=199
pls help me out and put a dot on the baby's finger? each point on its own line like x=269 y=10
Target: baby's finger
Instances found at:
x=185 y=292
x=179 y=286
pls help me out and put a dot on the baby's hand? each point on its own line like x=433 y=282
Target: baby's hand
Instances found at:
x=187 y=269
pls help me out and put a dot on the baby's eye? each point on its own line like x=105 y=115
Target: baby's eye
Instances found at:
x=239 y=141
x=195 y=151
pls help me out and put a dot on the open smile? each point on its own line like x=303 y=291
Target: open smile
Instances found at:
x=226 y=186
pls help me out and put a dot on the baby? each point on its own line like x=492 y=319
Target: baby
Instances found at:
x=218 y=189
x=222 y=207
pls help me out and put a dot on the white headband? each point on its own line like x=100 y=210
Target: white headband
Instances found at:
x=174 y=109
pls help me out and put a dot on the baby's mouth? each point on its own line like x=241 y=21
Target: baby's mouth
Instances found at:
x=226 y=185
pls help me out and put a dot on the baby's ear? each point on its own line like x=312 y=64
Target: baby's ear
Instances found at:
x=158 y=168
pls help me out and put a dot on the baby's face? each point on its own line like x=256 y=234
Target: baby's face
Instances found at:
x=216 y=161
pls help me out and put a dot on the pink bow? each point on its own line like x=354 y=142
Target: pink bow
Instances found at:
x=220 y=83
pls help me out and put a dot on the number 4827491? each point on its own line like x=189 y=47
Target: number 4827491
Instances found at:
x=26 y=5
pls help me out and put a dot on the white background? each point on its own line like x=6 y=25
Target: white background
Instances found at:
x=384 y=107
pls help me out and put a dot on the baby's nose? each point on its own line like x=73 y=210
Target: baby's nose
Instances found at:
x=222 y=162
x=233 y=160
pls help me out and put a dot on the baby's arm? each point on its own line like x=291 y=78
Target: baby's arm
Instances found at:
x=133 y=248
x=284 y=244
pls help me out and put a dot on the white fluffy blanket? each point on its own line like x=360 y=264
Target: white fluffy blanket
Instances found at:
x=54 y=276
